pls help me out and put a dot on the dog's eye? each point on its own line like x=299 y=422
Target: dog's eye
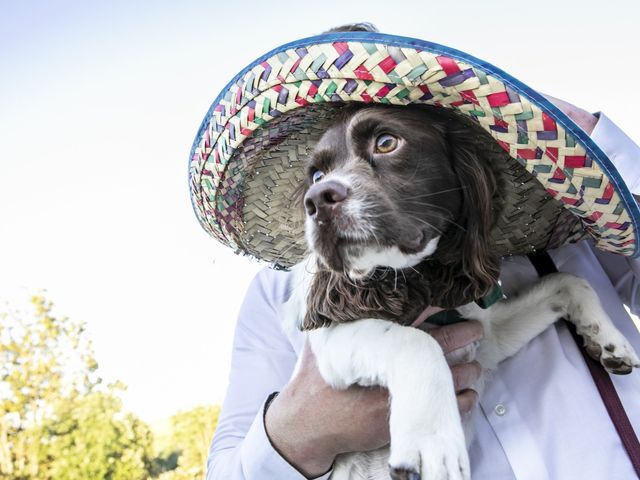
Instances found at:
x=316 y=176
x=386 y=143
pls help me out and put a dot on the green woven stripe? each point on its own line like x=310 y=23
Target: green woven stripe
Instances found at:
x=256 y=83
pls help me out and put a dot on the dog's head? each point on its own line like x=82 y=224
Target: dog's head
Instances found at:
x=391 y=187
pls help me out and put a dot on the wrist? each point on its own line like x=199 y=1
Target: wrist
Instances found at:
x=295 y=439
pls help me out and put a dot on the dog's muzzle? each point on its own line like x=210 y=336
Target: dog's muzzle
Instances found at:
x=324 y=200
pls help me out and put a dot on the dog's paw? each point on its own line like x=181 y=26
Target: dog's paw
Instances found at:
x=605 y=344
x=435 y=457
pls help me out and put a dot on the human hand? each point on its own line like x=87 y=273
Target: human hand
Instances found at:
x=309 y=423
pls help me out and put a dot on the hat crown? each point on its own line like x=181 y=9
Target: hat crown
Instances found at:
x=274 y=98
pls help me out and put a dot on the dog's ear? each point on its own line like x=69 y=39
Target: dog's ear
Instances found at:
x=316 y=316
x=470 y=269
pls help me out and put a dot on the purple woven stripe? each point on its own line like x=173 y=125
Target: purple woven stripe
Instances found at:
x=322 y=73
x=550 y=135
x=267 y=72
x=522 y=126
x=513 y=96
x=457 y=78
x=283 y=95
x=499 y=128
x=539 y=153
x=426 y=96
x=342 y=60
x=588 y=162
x=350 y=86
x=302 y=52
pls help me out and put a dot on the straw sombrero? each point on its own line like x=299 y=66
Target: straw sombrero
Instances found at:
x=246 y=160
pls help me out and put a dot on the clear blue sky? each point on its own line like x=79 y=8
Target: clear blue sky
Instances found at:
x=99 y=104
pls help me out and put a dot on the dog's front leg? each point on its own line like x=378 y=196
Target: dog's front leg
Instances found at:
x=510 y=324
x=427 y=440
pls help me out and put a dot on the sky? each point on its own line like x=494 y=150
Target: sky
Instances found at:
x=99 y=105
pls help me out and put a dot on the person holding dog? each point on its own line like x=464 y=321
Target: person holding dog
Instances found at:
x=541 y=412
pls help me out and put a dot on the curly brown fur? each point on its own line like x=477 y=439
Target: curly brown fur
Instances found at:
x=461 y=270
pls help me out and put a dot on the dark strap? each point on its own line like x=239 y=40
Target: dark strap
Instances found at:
x=544 y=265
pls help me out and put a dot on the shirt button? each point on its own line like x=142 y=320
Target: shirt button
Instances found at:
x=500 y=410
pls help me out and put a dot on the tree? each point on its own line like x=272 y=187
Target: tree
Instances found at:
x=187 y=444
x=56 y=419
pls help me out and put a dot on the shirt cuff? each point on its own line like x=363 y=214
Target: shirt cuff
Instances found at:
x=621 y=150
x=260 y=460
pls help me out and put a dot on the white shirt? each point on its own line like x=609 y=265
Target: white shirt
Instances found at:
x=541 y=415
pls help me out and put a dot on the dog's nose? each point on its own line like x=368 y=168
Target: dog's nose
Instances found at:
x=323 y=197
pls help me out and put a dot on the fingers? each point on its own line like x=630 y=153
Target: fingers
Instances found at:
x=457 y=335
x=465 y=375
x=426 y=313
x=467 y=400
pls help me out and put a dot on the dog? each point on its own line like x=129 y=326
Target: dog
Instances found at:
x=399 y=204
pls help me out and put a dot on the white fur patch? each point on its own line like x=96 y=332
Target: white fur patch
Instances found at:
x=424 y=424
x=388 y=257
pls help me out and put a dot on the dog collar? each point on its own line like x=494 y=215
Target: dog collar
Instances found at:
x=448 y=317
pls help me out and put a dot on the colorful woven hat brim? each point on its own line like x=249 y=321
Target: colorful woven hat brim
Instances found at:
x=280 y=101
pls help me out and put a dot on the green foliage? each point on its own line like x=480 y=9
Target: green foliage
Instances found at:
x=56 y=422
x=187 y=441
x=90 y=437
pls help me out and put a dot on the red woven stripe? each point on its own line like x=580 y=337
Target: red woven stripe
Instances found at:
x=552 y=153
x=577 y=161
x=449 y=65
x=569 y=200
x=383 y=91
x=341 y=47
x=558 y=174
x=595 y=216
x=608 y=191
x=295 y=65
x=548 y=123
x=526 y=153
x=387 y=64
x=499 y=99
x=504 y=145
x=469 y=96
x=362 y=73
x=617 y=226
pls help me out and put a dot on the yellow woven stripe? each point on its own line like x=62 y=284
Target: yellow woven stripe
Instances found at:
x=443 y=95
